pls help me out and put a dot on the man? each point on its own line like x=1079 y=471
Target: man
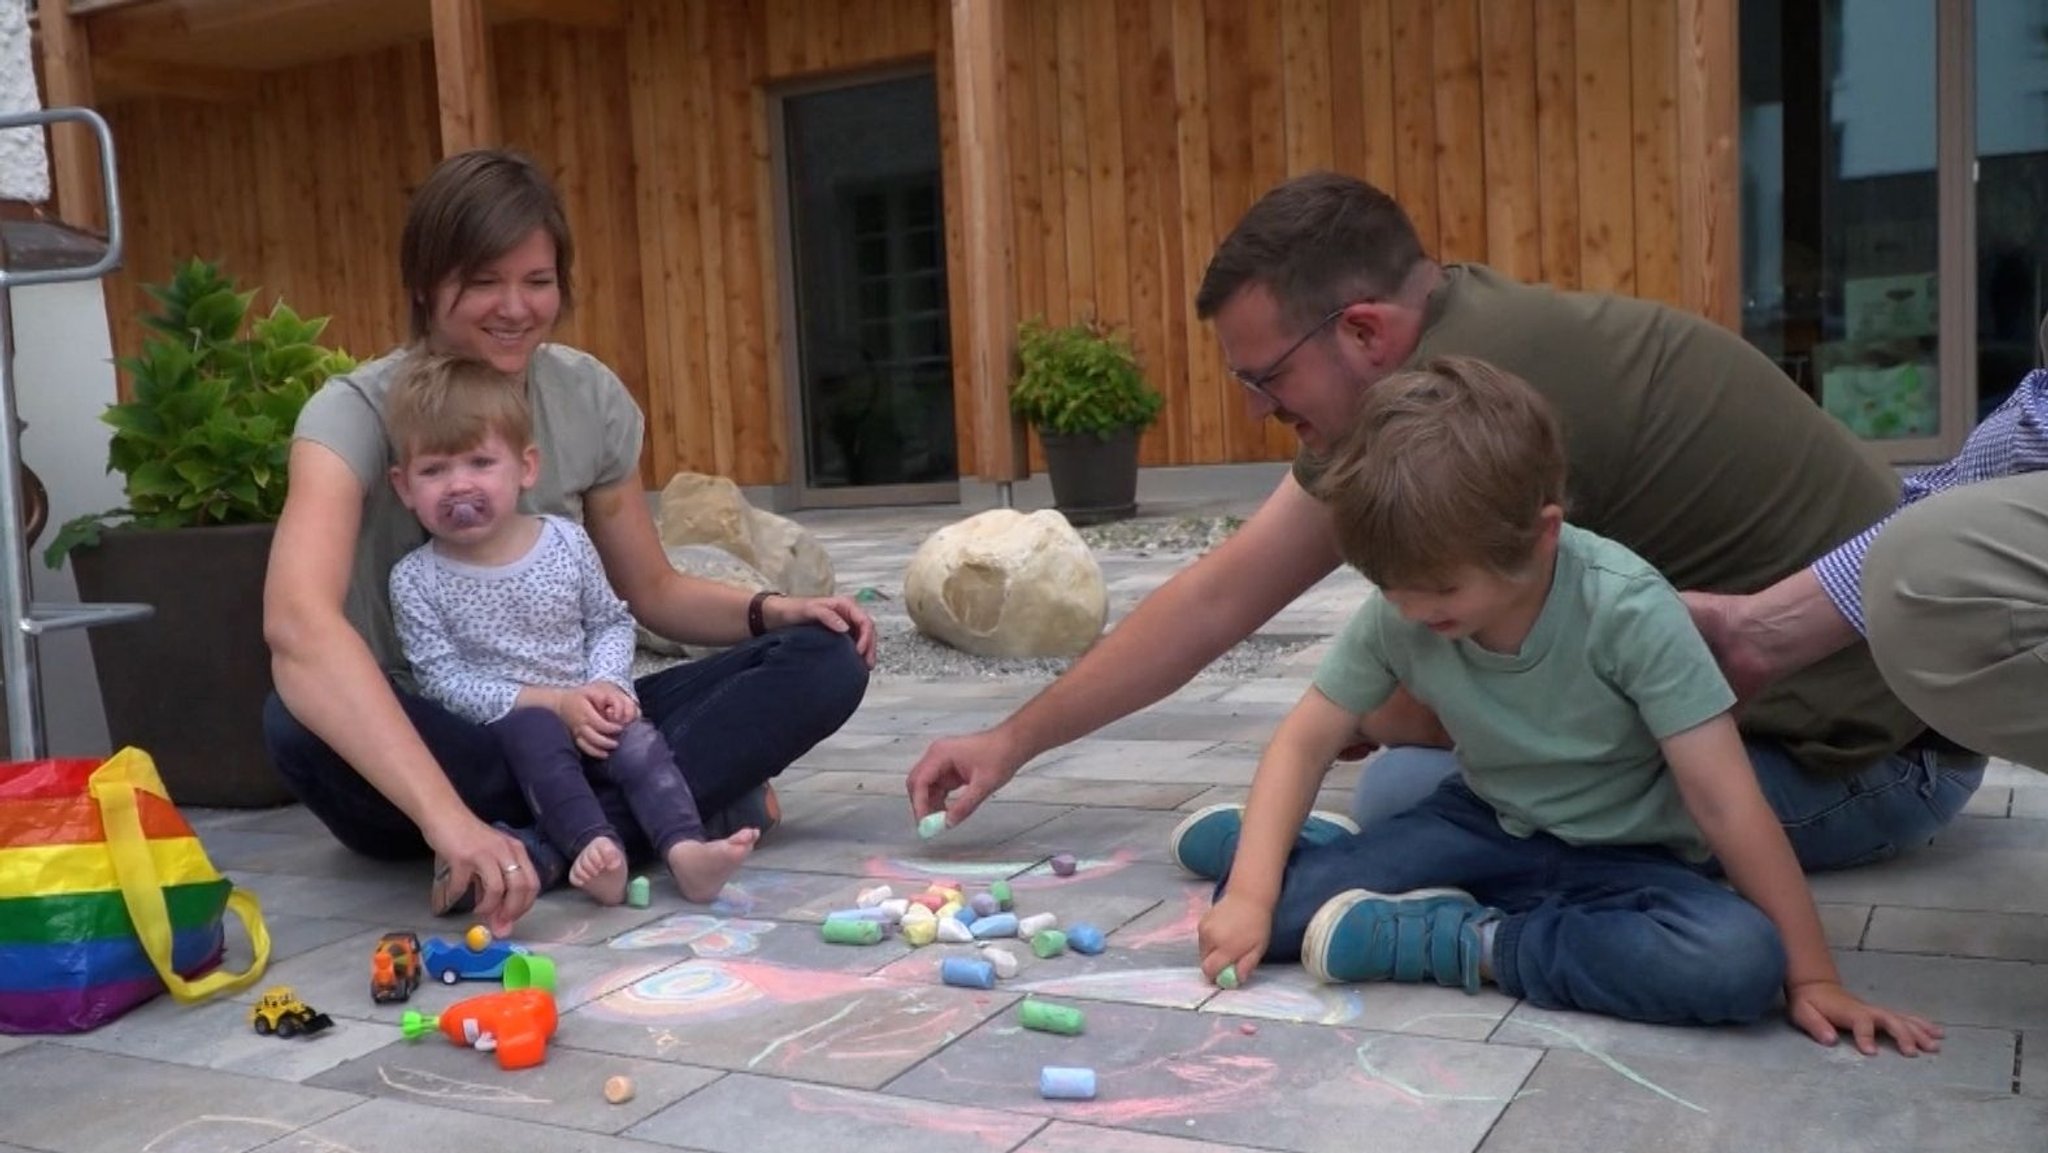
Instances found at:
x=1952 y=593
x=1685 y=444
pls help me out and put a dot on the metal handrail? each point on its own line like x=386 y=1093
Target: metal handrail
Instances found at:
x=22 y=622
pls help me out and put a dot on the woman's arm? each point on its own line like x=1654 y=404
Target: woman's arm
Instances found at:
x=329 y=680
x=686 y=608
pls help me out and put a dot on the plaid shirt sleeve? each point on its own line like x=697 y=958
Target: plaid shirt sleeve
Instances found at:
x=2012 y=440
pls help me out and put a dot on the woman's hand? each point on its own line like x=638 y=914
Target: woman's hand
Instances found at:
x=840 y=614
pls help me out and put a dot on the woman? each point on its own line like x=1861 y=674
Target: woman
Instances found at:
x=485 y=261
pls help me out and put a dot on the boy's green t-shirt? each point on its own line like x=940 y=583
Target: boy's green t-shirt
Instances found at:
x=1563 y=735
x=1691 y=448
x=587 y=426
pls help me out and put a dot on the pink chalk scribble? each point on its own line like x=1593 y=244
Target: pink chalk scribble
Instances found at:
x=706 y=936
x=988 y=1127
x=1179 y=932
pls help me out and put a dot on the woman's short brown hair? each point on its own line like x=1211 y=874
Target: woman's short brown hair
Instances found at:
x=1448 y=465
x=474 y=208
x=449 y=404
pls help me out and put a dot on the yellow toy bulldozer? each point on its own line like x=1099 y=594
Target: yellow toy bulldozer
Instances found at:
x=281 y=1012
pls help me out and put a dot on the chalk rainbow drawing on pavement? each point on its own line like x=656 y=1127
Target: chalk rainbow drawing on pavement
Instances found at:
x=1272 y=999
x=706 y=936
x=1173 y=987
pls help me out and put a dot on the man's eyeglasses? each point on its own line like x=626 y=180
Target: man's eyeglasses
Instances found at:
x=1258 y=381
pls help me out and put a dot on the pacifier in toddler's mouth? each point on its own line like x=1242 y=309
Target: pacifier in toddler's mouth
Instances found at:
x=465 y=511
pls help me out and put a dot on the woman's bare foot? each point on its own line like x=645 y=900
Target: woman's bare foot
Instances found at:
x=702 y=867
x=600 y=870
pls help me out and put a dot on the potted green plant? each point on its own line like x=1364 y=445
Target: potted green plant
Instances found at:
x=1081 y=386
x=202 y=445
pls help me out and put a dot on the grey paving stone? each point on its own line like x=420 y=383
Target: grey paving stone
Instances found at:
x=1289 y=993
x=871 y=782
x=568 y=1089
x=1989 y=802
x=837 y=833
x=1973 y=834
x=370 y=900
x=746 y=1114
x=1944 y=932
x=1844 y=925
x=1123 y=975
x=1105 y=759
x=1120 y=834
x=793 y=943
x=86 y=1102
x=8 y=1044
x=776 y=893
x=1575 y=1103
x=1063 y=1137
x=748 y=1016
x=567 y=917
x=1970 y=1058
x=1293 y=1087
x=2031 y=802
x=217 y=1035
x=383 y=1123
x=1983 y=879
x=1952 y=990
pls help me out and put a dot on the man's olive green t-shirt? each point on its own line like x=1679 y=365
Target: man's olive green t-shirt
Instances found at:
x=1690 y=448
x=585 y=423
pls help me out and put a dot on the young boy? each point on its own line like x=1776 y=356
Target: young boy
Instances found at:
x=508 y=620
x=1602 y=773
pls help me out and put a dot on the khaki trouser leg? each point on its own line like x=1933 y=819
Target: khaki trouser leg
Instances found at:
x=1955 y=594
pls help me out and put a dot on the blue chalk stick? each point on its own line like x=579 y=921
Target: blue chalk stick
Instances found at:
x=1064 y=1083
x=877 y=915
x=965 y=916
x=995 y=925
x=1084 y=939
x=968 y=972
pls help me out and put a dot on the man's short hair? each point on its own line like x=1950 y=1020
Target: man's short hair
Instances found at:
x=1447 y=465
x=1318 y=242
x=447 y=404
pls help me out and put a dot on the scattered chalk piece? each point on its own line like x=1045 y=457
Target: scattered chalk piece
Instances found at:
x=1049 y=943
x=1227 y=979
x=1061 y=1083
x=932 y=825
x=1064 y=865
x=952 y=932
x=1248 y=1029
x=873 y=898
x=1036 y=923
x=968 y=972
x=1085 y=939
x=1004 y=961
x=638 y=894
x=920 y=933
x=1001 y=892
x=995 y=925
x=1046 y=1017
x=846 y=931
x=618 y=1089
x=984 y=905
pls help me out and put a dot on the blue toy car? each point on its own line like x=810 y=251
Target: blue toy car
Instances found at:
x=476 y=958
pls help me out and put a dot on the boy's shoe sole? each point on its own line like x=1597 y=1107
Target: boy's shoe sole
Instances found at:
x=1196 y=844
x=1419 y=935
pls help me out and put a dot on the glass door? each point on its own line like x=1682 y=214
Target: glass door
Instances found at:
x=865 y=253
x=2011 y=168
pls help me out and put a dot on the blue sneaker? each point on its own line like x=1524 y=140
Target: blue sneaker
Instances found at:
x=1197 y=842
x=1420 y=935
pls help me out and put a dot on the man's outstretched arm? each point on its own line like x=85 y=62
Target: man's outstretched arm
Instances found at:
x=1173 y=634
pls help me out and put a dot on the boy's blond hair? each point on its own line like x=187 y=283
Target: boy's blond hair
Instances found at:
x=447 y=404
x=1446 y=466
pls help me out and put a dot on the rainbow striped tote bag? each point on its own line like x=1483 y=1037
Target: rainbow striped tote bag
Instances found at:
x=106 y=897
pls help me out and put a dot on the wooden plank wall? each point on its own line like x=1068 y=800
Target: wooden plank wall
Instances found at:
x=1539 y=135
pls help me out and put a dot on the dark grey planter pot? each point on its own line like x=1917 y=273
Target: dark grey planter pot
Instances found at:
x=1093 y=480
x=187 y=685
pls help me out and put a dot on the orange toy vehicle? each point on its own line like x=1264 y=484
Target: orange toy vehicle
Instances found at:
x=395 y=968
x=516 y=1024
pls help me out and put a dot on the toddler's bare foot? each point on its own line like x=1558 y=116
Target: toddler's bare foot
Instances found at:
x=701 y=867
x=600 y=870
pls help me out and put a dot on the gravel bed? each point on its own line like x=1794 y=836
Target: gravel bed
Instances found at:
x=907 y=653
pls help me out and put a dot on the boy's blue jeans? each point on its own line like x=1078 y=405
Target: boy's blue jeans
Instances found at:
x=1630 y=932
x=1896 y=804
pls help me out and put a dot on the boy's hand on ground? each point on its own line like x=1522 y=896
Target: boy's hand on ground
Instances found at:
x=1235 y=932
x=1823 y=1007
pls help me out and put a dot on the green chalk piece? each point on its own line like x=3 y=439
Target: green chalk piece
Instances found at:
x=842 y=931
x=638 y=893
x=1227 y=979
x=932 y=825
x=1049 y=943
x=867 y=595
x=1047 y=1017
x=1001 y=892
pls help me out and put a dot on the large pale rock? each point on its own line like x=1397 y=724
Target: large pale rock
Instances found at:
x=700 y=509
x=713 y=564
x=1006 y=584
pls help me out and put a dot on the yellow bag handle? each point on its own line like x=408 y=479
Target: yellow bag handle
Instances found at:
x=113 y=786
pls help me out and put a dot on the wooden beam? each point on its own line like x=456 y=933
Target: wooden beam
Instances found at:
x=462 y=69
x=117 y=78
x=979 y=72
x=74 y=156
x=1709 y=177
x=574 y=13
x=139 y=30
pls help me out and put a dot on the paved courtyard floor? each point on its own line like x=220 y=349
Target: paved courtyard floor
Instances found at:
x=744 y=1033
